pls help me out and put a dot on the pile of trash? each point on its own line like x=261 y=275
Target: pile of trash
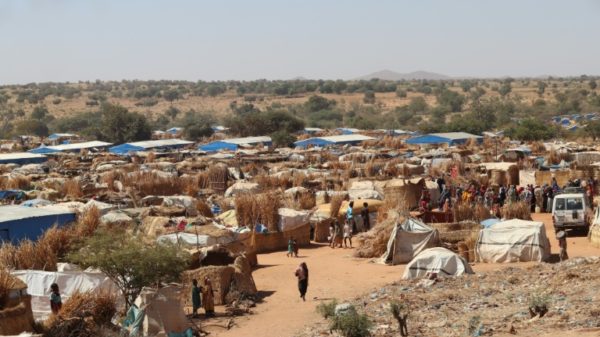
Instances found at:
x=543 y=298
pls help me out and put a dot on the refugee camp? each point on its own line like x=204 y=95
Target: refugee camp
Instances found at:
x=299 y=168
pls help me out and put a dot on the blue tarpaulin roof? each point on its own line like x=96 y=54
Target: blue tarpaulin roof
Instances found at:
x=218 y=146
x=125 y=148
x=451 y=138
x=42 y=150
x=18 y=223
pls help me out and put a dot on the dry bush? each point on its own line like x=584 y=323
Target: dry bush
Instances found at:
x=191 y=185
x=203 y=180
x=84 y=313
x=18 y=182
x=151 y=183
x=150 y=158
x=109 y=179
x=268 y=182
x=8 y=256
x=300 y=179
x=307 y=200
x=516 y=210
x=72 y=189
x=466 y=212
x=56 y=242
x=395 y=203
x=88 y=222
x=252 y=209
x=335 y=204
x=537 y=147
x=7 y=282
x=374 y=242
x=204 y=209
x=371 y=169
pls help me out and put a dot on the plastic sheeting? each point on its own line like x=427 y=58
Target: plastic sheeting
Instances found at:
x=513 y=241
x=164 y=315
x=437 y=260
x=241 y=187
x=290 y=219
x=408 y=239
x=38 y=286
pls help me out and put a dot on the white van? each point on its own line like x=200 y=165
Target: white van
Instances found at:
x=571 y=210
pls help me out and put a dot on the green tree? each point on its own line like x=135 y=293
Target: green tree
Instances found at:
x=592 y=129
x=593 y=85
x=172 y=112
x=282 y=138
x=417 y=105
x=130 y=263
x=451 y=99
x=39 y=112
x=532 y=130
x=317 y=103
x=172 y=95
x=401 y=93
x=32 y=127
x=505 y=89
x=369 y=97
x=541 y=88
x=121 y=126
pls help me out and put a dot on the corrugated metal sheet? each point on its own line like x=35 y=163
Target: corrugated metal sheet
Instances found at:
x=18 y=222
x=22 y=158
x=149 y=144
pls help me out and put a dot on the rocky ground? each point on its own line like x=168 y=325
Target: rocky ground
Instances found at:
x=490 y=303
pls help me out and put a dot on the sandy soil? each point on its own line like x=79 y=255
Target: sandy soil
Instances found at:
x=334 y=273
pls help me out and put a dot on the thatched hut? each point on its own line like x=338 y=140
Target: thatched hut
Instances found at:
x=15 y=306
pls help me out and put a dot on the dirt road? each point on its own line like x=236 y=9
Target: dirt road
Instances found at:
x=334 y=273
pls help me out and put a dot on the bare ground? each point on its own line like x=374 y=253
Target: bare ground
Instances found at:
x=334 y=273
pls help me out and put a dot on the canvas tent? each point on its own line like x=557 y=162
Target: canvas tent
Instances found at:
x=158 y=313
x=437 y=260
x=408 y=239
x=38 y=285
x=513 y=241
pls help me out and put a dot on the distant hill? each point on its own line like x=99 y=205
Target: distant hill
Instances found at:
x=394 y=76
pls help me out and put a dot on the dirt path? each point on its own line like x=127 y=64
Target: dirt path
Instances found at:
x=334 y=273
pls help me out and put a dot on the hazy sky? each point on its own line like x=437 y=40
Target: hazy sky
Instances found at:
x=70 y=40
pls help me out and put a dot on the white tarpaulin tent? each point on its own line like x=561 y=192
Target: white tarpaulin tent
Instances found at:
x=290 y=219
x=161 y=313
x=437 y=260
x=408 y=239
x=38 y=286
x=513 y=241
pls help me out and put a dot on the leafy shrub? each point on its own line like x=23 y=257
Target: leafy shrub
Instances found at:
x=327 y=309
x=352 y=324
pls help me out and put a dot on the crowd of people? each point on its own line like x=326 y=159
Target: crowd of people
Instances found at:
x=494 y=197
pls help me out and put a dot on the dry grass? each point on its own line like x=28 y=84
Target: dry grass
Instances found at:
x=335 y=204
x=516 y=210
x=88 y=222
x=307 y=200
x=466 y=212
x=152 y=183
x=150 y=158
x=374 y=242
x=252 y=209
x=6 y=283
x=204 y=209
x=72 y=189
x=83 y=312
x=17 y=182
x=51 y=247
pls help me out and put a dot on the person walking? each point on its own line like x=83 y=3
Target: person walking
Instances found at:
x=302 y=275
x=364 y=213
x=196 y=302
x=347 y=234
x=561 y=236
x=350 y=215
x=208 y=298
x=55 y=299
x=336 y=234
x=290 y=251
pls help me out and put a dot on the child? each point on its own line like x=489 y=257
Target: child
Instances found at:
x=55 y=300
x=196 y=301
x=290 y=251
x=295 y=245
